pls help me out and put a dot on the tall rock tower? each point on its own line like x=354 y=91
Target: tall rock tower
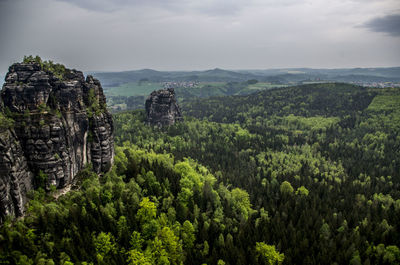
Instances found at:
x=57 y=122
x=162 y=108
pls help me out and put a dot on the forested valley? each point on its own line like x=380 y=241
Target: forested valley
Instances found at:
x=299 y=175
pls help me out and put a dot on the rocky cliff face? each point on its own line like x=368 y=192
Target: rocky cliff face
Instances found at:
x=162 y=108
x=16 y=178
x=60 y=124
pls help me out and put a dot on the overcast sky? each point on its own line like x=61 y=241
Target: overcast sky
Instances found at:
x=113 y=35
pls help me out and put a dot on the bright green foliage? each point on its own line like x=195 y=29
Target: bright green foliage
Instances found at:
x=188 y=234
x=123 y=228
x=105 y=246
x=384 y=111
x=268 y=254
x=286 y=187
x=118 y=218
x=58 y=70
x=310 y=123
x=147 y=211
x=65 y=259
x=392 y=255
x=136 y=257
x=204 y=190
x=158 y=253
x=386 y=102
x=303 y=191
x=171 y=244
x=206 y=249
x=339 y=157
x=387 y=255
x=241 y=203
x=136 y=240
x=24 y=260
x=190 y=180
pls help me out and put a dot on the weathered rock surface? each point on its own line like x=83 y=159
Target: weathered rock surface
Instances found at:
x=162 y=108
x=16 y=178
x=60 y=126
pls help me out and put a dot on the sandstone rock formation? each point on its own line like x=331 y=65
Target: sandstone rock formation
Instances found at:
x=162 y=108
x=60 y=124
x=16 y=178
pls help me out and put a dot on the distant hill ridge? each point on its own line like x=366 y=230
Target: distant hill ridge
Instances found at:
x=390 y=74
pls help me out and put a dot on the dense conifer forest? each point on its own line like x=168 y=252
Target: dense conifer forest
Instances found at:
x=298 y=175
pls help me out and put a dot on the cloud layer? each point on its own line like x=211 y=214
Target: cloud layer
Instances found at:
x=388 y=24
x=187 y=34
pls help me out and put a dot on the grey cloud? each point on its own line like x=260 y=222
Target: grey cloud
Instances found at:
x=206 y=7
x=114 y=5
x=388 y=24
x=191 y=34
x=98 y=5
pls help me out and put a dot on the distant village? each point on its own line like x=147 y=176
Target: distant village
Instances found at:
x=191 y=84
x=187 y=84
x=359 y=83
x=376 y=84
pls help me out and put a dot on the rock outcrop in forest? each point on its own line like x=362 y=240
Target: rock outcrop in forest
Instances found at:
x=53 y=123
x=162 y=108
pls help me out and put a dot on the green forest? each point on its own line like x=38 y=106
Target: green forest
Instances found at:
x=307 y=174
x=131 y=96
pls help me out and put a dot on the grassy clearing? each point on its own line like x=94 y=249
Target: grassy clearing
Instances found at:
x=384 y=110
x=389 y=102
x=262 y=86
x=311 y=123
x=133 y=89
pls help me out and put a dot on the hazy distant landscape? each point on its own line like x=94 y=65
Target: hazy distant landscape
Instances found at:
x=127 y=90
